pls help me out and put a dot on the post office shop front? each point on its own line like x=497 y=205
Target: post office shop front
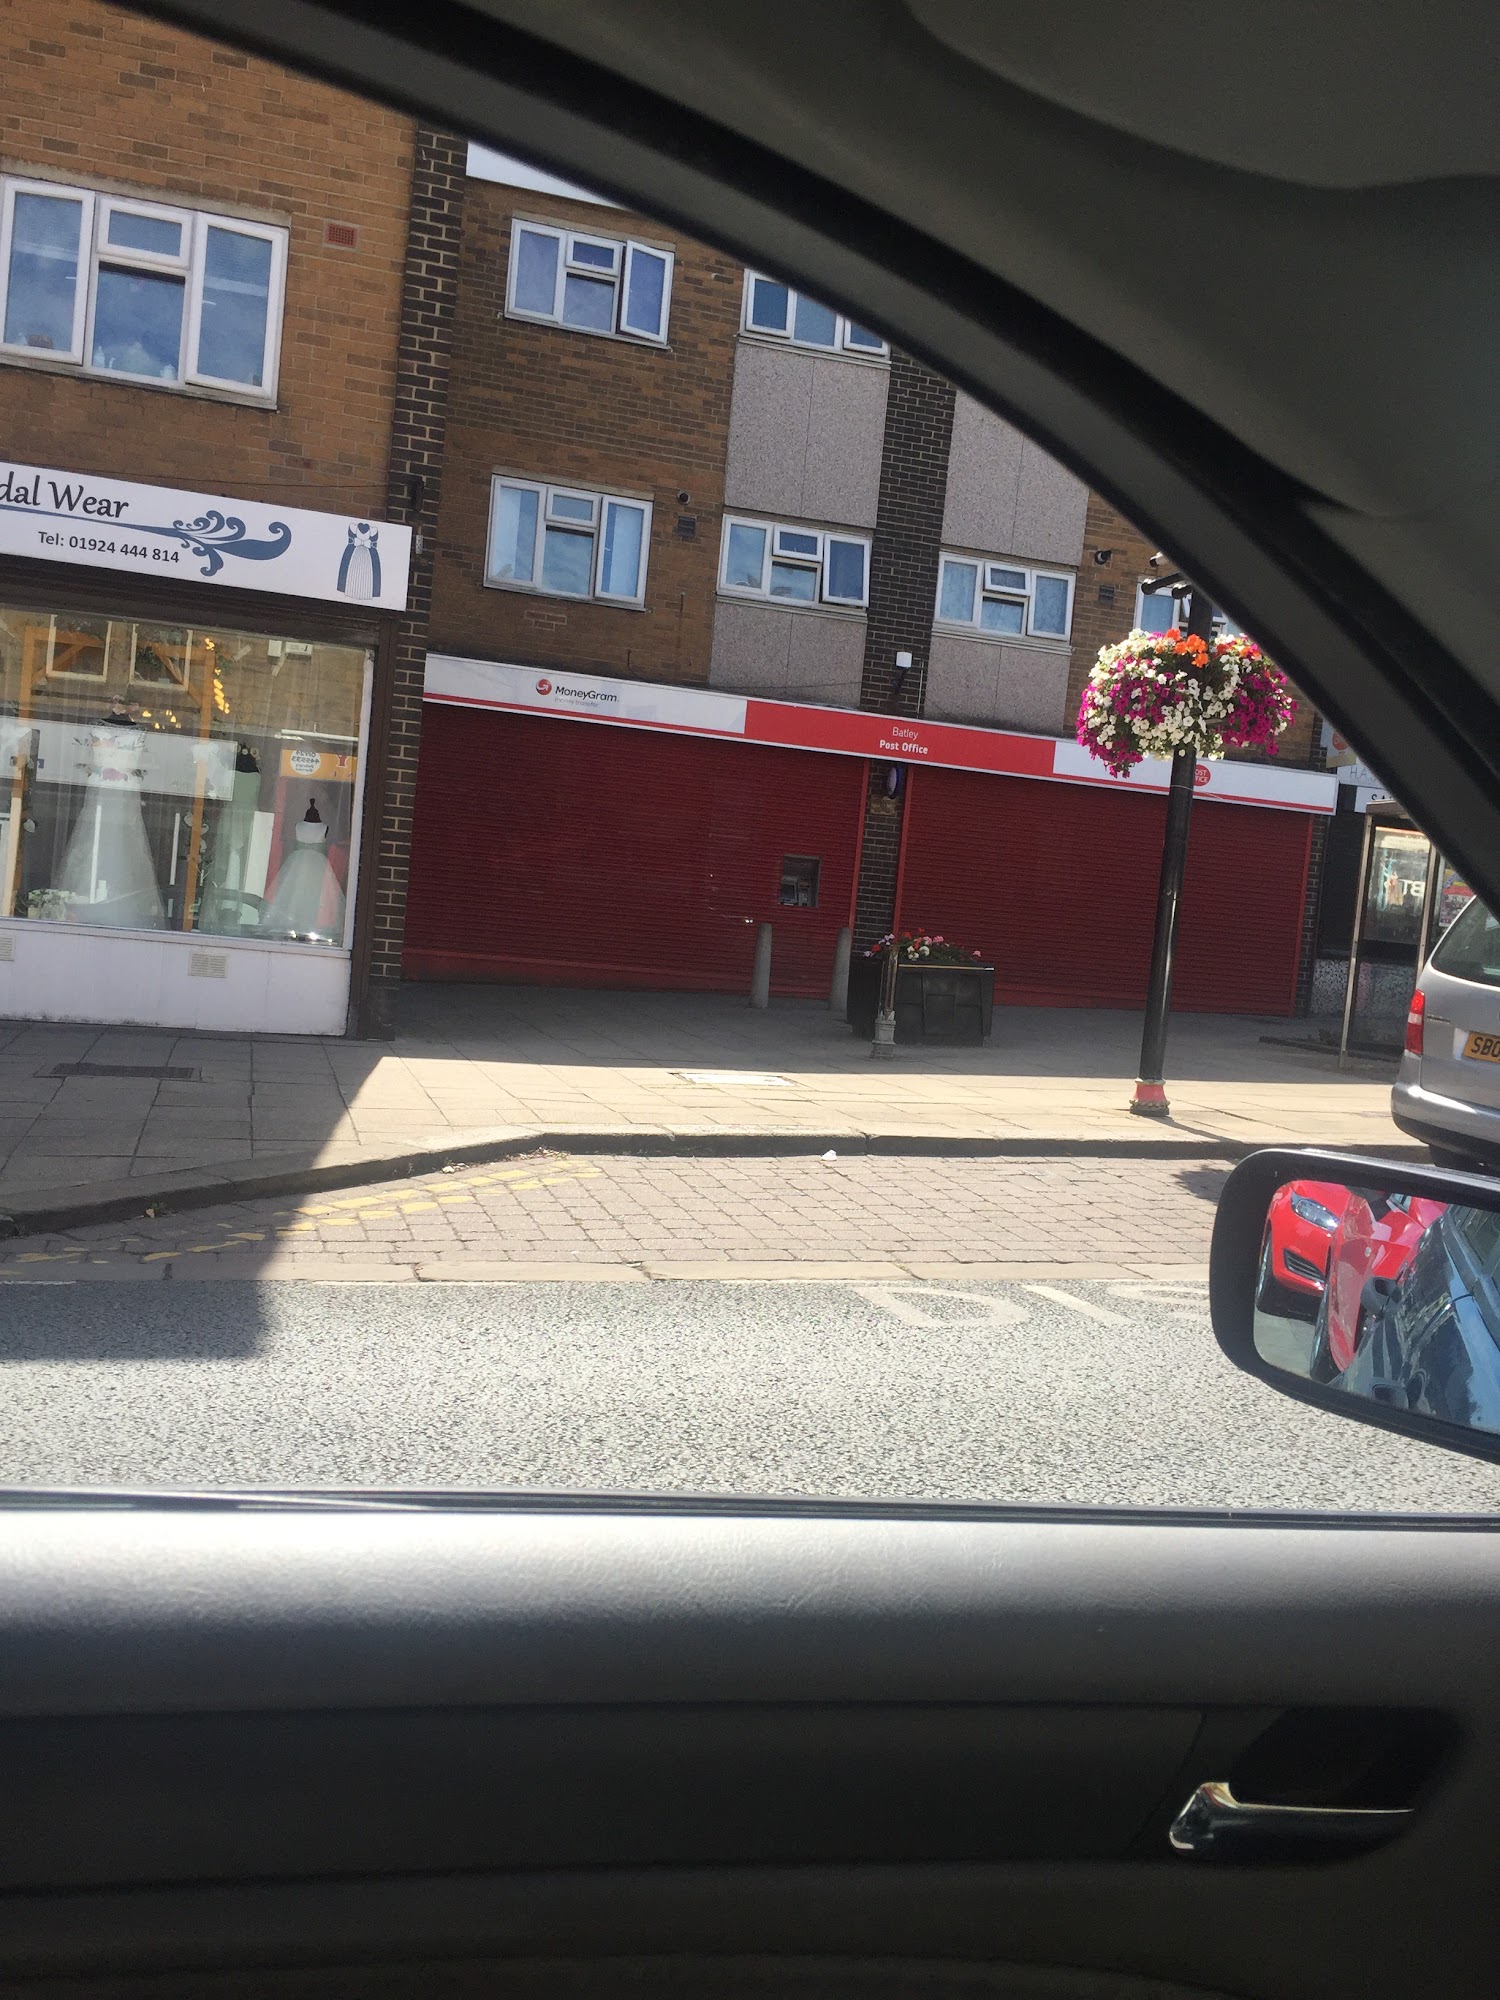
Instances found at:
x=184 y=761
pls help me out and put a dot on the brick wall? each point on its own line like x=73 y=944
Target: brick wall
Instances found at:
x=119 y=101
x=903 y=590
x=1104 y=600
x=614 y=415
x=413 y=494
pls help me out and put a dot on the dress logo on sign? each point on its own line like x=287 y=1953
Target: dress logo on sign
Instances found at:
x=359 y=567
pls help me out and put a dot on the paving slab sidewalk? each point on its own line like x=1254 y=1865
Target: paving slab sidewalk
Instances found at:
x=477 y=1072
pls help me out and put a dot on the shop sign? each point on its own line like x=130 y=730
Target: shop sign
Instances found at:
x=849 y=732
x=114 y=524
x=328 y=767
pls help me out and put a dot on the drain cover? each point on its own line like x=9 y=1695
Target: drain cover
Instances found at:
x=158 y=1073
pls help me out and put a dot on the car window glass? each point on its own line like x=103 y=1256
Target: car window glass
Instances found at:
x=1470 y=949
x=581 y=840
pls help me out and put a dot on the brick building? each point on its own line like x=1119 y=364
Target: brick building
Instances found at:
x=739 y=616
x=207 y=282
x=413 y=566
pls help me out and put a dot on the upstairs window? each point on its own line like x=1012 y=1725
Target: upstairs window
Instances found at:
x=781 y=313
x=567 y=542
x=1159 y=610
x=795 y=565
x=140 y=290
x=594 y=284
x=1004 y=599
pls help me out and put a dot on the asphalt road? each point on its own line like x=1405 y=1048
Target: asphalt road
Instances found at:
x=1084 y=1393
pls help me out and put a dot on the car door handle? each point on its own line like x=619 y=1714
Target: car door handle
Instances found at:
x=1214 y=1824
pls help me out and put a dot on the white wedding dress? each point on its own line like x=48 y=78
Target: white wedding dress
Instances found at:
x=306 y=900
x=107 y=870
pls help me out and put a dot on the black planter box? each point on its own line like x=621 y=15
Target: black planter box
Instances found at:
x=950 y=1005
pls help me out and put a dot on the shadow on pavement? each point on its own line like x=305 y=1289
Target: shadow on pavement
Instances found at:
x=129 y=1321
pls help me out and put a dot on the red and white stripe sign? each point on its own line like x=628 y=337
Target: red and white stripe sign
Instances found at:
x=847 y=732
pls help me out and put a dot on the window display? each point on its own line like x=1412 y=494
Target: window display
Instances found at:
x=165 y=777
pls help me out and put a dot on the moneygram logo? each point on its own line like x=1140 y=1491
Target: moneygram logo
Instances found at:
x=544 y=687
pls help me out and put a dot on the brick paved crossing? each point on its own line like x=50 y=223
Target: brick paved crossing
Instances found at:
x=557 y=1210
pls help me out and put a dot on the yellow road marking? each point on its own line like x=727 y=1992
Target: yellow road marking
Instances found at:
x=447 y=1193
x=418 y=1187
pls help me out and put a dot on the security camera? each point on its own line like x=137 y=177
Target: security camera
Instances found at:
x=1102 y=556
x=683 y=496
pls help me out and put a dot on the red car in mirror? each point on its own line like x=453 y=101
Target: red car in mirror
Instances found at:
x=1376 y=1238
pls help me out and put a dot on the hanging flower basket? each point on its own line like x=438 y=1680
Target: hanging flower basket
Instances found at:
x=1160 y=692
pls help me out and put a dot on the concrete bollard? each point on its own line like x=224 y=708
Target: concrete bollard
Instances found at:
x=838 y=986
x=760 y=977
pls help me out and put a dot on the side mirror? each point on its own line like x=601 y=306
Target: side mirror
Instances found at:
x=1367 y=1287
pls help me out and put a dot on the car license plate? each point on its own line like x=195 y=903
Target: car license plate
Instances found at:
x=1483 y=1048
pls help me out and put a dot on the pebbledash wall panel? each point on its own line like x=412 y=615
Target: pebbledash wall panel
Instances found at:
x=1057 y=884
x=576 y=854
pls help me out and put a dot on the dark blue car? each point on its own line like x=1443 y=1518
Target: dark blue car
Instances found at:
x=1434 y=1343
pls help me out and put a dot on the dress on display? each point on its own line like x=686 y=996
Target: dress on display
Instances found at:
x=107 y=870
x=306 y=901
x=224 y=907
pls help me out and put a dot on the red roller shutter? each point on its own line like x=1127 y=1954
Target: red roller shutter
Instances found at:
x=570 y=853
x=1058 y=884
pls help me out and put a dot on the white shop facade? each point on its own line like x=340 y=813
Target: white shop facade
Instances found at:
x=189 y=687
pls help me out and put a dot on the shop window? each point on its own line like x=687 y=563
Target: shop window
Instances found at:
x=799 y=881
x=794 y=565
x=593 y=284
x=775 y=311
x=566 y=542
x=138 y=289
x=165 y=777
x=1004 y=599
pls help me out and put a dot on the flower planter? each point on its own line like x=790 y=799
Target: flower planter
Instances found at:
x=949 y=1006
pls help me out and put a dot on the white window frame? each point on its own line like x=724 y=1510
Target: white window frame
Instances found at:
x=600 y=504
x=844 y=327
x=1023 y=594
x=775 y=552
x=82 y=296
x=275 y=303
x=625 y=248
x=95 y=249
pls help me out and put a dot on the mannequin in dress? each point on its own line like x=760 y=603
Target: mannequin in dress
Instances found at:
x=306 y=901
x=107 y=869
x=224 y=908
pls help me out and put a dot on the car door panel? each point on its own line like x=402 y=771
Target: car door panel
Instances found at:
x=321 y=1738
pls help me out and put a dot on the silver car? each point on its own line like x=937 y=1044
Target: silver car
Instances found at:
x=1447 y=1091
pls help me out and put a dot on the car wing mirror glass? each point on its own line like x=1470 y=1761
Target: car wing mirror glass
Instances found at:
x=1369 y=1287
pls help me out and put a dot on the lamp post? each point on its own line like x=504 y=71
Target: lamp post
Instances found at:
x=1150 y=1099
